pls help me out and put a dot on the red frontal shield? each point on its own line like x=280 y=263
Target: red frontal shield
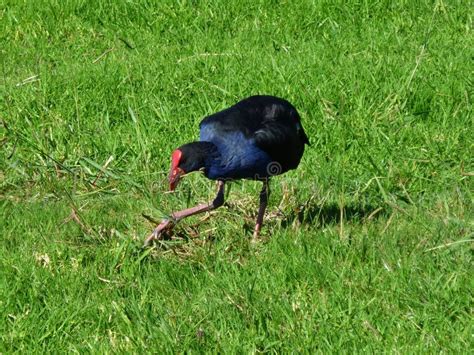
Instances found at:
x=175 y=171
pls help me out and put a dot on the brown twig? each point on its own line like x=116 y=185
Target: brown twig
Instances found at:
x=102 y=170
x=75 y=217
x=102 y=55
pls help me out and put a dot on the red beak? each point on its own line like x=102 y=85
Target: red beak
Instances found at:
x=174 y=178
x=176 y=171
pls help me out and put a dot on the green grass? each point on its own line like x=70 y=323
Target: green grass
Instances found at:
x=367 y=246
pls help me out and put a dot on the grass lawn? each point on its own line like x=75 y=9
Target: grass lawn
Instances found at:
x=367 y=246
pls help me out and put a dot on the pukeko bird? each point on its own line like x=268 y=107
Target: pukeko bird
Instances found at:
x=257 y=138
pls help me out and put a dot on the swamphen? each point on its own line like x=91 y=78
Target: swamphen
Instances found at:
x=257 y=138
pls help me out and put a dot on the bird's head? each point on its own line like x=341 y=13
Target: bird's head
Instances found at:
x=188 y=158
x=176 y=170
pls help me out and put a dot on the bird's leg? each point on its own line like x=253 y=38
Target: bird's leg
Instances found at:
x=179 y=215
x=204 y=207
x=261 y=210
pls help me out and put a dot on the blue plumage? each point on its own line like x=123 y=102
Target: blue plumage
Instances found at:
x=251 y=136
x=239 y=157
x=256 y=138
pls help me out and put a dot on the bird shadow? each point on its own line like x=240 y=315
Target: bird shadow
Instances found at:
x=331 y=214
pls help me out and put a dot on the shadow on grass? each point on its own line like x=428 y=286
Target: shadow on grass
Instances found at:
x=330 y=214
x=317 y=215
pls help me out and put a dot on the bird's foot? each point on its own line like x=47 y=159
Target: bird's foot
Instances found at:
x=165 y=226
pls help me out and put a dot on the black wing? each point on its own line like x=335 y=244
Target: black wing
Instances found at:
x=272 y=123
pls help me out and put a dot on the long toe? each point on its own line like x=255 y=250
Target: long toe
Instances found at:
x=165 y=226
